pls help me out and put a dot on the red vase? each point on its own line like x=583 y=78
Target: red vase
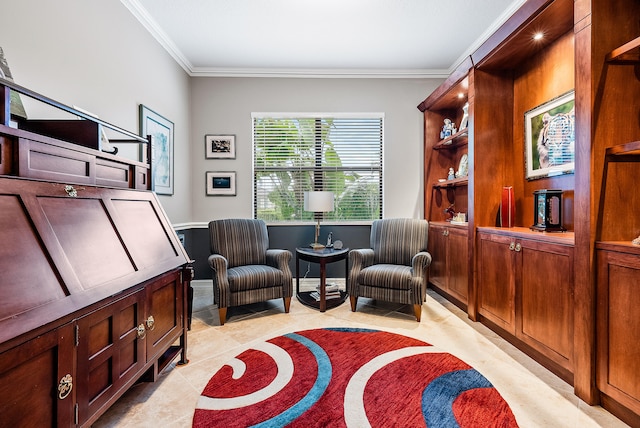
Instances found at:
x=507 y=208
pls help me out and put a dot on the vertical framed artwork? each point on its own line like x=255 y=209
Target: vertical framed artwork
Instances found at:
x=161 y=131
x=221 y=183
x=550 y=138
x=220 y=146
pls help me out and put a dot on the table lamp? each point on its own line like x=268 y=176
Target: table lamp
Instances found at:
x=318 y=202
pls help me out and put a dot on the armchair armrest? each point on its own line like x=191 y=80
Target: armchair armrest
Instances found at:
x=420 y=263
x=358 y=260
x=361 y=258
x=221 y=292
x=279 y=259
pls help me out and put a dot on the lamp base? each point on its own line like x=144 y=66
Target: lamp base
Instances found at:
x=316 y=246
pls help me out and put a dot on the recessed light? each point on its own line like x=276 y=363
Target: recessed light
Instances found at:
x=538 y=36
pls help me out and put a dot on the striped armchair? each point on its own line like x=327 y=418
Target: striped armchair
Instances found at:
x=245 y=270
x=395 y=268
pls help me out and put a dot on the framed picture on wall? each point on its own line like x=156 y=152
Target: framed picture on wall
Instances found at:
x=222 y=183
x=550 y=138
x=161 y=131
x=220 y=146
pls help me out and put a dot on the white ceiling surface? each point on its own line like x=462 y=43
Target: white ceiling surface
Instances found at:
x=320 y=38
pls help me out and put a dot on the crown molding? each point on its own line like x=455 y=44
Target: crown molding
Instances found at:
x=165 y=41
x=321 y=73
x=161 y=37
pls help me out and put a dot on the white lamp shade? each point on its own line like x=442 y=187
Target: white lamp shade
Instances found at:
x=318 y=201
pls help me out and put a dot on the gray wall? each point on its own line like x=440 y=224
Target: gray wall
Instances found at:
x=224 y=106
x=97 y=56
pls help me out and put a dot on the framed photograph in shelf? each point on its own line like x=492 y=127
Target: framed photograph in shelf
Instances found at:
x=550 y=138
x=220 y=146
x=221 y=183
x=161 y=131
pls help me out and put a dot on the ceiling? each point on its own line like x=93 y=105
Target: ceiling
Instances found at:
x=339 y=38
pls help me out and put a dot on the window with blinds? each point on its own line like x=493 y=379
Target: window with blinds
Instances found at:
x=297 y=153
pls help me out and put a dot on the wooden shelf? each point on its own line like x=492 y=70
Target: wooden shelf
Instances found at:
x=456 y=182
x=623 y=54
x=619 y=246
x=628 y=149
x=458 y=139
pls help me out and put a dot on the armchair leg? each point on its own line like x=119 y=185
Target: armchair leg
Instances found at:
x=417 y=310
x=223 y=315
x=354 y=302
x=287 y=304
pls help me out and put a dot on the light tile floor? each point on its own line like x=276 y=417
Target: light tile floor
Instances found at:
x=537 y=397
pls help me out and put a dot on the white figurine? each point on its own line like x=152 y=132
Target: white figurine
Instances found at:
x=447 y=129
x=465 y=116
x=451 y=175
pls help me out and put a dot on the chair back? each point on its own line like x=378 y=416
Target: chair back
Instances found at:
x=397 y=240
x=240 y=241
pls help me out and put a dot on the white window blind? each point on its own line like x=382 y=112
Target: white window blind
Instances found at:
x=339 y=153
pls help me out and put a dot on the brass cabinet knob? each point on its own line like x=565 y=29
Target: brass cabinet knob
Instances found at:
x=151 y=323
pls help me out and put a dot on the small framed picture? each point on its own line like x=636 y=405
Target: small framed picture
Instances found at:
x=221 y=183
x=161 y=131
x=220 y=146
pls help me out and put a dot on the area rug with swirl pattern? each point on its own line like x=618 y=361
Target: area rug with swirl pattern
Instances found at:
x=344 y=377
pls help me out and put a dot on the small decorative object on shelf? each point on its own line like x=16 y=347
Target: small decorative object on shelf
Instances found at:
x=448 y=129
x=636 y=241
x=547 y=211
x=452 y=175
x=450 y=212
x=463 y=167
x=507 y=207
x=465 y=116
x=459 y=218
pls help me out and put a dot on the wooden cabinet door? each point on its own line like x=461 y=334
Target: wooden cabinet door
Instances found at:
x=164 y=313
x=458 y=263
x=545 y=307
x=618 y=328
x=496 y=280
x=30 y=378
x=111 y=353
x=437 y=246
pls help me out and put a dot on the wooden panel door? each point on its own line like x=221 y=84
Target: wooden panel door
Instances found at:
x=496 y=280
x=437 y=247
x=111 y=353
x=458 y=262
x=164 y=314
x=37 y=381
x=545 y=305
x=618 y=328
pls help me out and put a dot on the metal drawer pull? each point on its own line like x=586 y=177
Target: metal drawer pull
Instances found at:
x=512 y=246
x=518 y=247
x=142 y=332
x=65 y=386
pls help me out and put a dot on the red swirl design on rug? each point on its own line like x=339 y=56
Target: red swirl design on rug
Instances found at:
x=349 y=377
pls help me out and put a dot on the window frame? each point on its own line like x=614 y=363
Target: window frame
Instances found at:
x=318 y=169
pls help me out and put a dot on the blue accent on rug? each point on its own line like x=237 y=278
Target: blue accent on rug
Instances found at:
x=439 y=395
x=316 y=391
